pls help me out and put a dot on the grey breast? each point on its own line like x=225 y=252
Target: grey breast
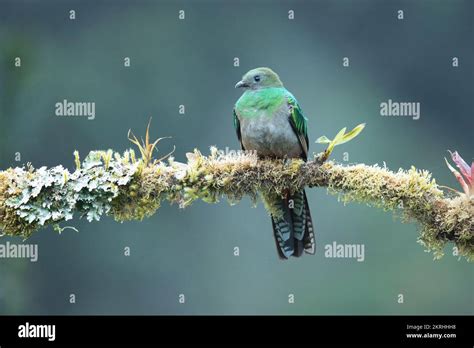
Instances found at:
x=270 y=136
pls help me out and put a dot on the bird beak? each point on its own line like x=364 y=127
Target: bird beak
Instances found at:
x=241 y=84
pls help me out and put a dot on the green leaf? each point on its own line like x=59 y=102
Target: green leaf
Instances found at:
x=340 y=138
x=352 y=134
x=339 y=135
x=336 y=140
x=323 y=140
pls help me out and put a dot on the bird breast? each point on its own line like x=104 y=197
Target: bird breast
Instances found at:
x=270 y=135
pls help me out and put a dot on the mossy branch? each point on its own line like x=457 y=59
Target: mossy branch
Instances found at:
x=129 y=189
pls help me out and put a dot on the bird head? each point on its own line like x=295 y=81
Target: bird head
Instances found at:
x=259 y=78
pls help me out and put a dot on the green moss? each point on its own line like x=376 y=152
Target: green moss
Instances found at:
x=416 y=195
x=452 y=221
x=11 y=223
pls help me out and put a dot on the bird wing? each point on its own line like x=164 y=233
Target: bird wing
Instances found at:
x=299 y=123
x=237 y=129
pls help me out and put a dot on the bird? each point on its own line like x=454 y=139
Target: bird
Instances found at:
x=269 y=121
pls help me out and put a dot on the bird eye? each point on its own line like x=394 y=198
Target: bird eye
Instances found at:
x=256 y=78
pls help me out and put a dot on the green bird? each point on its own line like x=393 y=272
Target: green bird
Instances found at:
x=268 y=120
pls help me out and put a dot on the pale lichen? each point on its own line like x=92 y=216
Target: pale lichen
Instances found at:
x=32 y=198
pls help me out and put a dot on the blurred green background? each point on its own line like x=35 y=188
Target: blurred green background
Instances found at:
x=190 y=62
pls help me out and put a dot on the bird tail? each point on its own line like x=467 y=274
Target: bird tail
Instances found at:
x=293 y=228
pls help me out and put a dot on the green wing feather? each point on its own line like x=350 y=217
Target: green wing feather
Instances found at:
x=299 y=124
x=237 y=129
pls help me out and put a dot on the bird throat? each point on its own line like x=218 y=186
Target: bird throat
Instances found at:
x=260 y=102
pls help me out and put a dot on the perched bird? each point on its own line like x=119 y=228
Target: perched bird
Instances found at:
x=268 y=120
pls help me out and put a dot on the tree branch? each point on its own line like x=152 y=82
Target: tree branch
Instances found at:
x=128 y=189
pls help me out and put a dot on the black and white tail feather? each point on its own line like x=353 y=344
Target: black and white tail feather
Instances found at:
x=293 y=230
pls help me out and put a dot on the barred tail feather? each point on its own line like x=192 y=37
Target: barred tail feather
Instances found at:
x=284 y=250
x=298 y=216
x=283 y=229
x=293 y=230
x=309 y=239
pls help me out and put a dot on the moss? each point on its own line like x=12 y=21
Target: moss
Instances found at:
x=381 y=187
x=269 y=201
x=416 y=195
x=142 y=197
x=10 y=222
x=451 y=221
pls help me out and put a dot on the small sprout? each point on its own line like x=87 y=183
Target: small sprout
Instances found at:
x=132 y=156
x=107 y=157
x=126 y=157
x=466 y=177
x=77 y=160
x=214 y=151
x=340 y=138
x=60 y=229
x=146 y=148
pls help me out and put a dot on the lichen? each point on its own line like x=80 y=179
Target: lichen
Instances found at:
x=36 y=197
